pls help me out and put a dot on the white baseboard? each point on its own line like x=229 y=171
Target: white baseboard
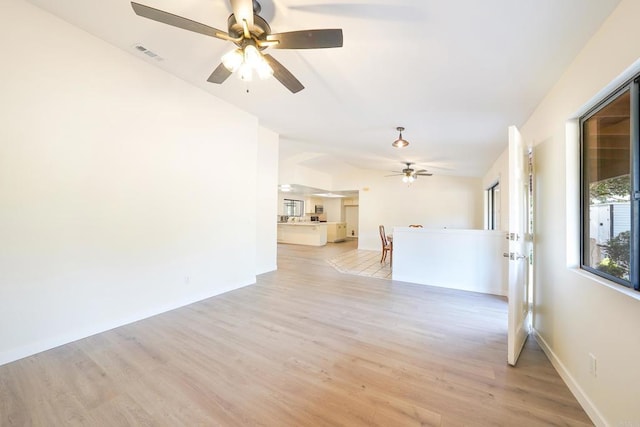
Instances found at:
x=52 y=342
x=574 y=387
x=267 y=269
x=490 y=290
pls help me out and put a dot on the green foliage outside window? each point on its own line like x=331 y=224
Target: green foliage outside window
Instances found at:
x=618 y=255
x=616 y=189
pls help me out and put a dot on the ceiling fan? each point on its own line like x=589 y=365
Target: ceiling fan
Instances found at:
x=409 y=174
x=251 y=34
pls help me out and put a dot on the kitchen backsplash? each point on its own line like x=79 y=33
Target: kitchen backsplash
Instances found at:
x=305 y=218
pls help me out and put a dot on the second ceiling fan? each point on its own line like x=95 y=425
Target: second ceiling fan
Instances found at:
x=409 y=174
x=251 y=34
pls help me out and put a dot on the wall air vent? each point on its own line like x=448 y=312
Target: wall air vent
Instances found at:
x=149 y=53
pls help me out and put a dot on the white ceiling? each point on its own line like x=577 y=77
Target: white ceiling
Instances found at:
x=454 y=73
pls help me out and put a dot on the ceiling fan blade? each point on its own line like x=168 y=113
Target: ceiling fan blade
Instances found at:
x=219 y=75
x=421 y=170
x=423 y=174
x=177 y=21
x=395 y=174
x=283 y=75
x=307 y=39
x=243 y=10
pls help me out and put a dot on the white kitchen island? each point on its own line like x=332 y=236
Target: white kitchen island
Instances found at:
x=303 y=233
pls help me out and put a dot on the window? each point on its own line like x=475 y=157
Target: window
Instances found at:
x=609 y=187
x=493 y=207
x=293 y=207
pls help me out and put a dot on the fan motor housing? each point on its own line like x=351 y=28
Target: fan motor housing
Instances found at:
x=259 y=30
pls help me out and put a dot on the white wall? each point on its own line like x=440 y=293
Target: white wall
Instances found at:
x=267 y=201
x=469 y=260
x=115 y=202
x=291 y=173
x=435 y=202
x=575 y=313
x=333 y=209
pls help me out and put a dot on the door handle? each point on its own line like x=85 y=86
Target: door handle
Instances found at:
x=514 y=256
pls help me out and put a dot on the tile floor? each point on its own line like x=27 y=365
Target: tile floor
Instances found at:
x=362 y=263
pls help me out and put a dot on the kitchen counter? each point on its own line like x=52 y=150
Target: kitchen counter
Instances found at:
x=303 y=233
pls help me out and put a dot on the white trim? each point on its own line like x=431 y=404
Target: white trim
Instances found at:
x=572 y=195
x=53 y=342
x=267 y=269
x=580 y=395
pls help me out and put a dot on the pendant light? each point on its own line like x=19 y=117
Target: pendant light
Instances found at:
x=400 y=143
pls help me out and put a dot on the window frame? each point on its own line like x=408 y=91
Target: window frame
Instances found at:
x=297 y=207
x=492 y=215
x=633 y=87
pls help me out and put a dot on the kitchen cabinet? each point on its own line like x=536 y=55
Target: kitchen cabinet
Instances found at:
x=303 y=233
x=310 y=204
x=336 y=231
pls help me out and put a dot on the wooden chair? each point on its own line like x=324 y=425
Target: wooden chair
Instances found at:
x=387 y=246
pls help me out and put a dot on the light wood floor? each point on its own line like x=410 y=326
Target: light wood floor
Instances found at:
x=306 y=346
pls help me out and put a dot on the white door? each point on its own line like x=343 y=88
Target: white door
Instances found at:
x=519 y=250
x=351 y=217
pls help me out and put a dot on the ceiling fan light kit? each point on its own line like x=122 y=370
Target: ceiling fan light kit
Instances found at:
x=251 y=34
x=400 y=142
x=245 y=61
